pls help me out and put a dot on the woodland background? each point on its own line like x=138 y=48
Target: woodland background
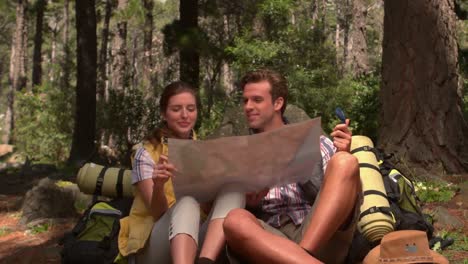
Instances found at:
x=84 y=77
x=81 y=80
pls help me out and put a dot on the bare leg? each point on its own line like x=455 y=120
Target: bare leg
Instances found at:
x=337 y=199
x=183 y=230
x=214 y=240
x=245 y=235
x=183 y=249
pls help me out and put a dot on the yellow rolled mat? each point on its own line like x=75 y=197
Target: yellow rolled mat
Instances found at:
x=374 y=225
x=89 y=173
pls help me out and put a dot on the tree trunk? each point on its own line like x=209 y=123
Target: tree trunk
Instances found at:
x=85 y=119
x=66 y=61
x=119 y=53
x=189 y=57
x=37 y=56
x=102 y=69
x=421 y=118
x=227 y=74
x=357 y=62
x=148 y=67
x=17 y=78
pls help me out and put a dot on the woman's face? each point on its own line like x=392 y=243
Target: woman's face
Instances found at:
x=181 y=114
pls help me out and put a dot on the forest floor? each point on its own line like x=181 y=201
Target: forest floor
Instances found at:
x=20 y=244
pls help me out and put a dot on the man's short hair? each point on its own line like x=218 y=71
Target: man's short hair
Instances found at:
x=279 y=85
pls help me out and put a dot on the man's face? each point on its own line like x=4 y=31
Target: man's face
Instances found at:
x=260 y=111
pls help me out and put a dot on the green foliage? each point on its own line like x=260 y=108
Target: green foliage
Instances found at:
x=44 y=123
x=210 y=119
x=435 y=191
x=126 y=118
x=40 y=228
x=460 y=239
x=5 y=230
x=134 y=13
x=307 y=58
x=365 y=105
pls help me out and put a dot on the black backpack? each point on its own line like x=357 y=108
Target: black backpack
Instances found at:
x=404 y=202
x=94 y=239
x=405 y=206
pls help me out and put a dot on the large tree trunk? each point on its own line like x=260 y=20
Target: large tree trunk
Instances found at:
x=119 y=53
x=357 y=61
x=17 y=76
x=189 y=57
x=102 y=65
x=66 y=61
x=85 y=119
x=148 y=67
x=421 y=118
x=37 y=56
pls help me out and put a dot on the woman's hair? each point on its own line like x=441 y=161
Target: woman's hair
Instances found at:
x=169 y=91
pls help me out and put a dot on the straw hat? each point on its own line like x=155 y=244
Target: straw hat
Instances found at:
x=402 y=247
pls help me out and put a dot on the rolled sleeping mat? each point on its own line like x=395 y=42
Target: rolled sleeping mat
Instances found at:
x=375 y=219
x=104 y=181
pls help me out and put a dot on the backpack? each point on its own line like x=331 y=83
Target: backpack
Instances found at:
x=405 y=206
x=94 y=239
x=404 y=202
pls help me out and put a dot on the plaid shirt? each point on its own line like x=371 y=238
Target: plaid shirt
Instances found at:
x=143 y=166
x=289 y=199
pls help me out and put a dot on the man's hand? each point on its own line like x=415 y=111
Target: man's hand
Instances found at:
x=342 y=137
x=253 y=199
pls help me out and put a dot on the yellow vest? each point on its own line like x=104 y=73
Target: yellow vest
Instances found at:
x=136 y=228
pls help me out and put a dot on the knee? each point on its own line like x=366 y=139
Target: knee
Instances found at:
x=237 y=224
x=188 y=204
x=347 y=163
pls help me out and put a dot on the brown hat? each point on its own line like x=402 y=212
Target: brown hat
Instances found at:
x=401 y=247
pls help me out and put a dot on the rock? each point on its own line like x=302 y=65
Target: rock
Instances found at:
x=446 y=220
x=465 y=214
x=47 y=200
x=295 y=114
x=5 y=149
x=461 y=198
x=234 y=123
x=82 y=200
x=464 y=191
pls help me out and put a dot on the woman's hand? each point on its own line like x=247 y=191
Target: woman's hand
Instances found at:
x=342 y=137
x=163 y=171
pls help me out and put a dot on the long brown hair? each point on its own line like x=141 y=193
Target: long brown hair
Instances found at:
x=169 y=91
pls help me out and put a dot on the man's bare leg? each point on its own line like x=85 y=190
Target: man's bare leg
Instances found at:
x=337 y=200
x=338 y=195
x=245 y=235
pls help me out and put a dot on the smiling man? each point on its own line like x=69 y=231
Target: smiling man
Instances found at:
x=284 y=225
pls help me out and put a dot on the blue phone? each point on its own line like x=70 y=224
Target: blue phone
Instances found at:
x=340 y=114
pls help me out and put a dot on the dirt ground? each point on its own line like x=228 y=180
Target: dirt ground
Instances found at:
x=20 y=245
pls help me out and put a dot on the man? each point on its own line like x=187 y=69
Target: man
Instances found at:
x=293 y=229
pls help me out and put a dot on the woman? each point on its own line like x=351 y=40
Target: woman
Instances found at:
x=159 y=230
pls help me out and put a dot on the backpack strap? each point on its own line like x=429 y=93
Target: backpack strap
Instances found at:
x=375 y=209
x=99 y=182
x=375 y=192
x=370 y=166
x=119 y=184
x=363 y=148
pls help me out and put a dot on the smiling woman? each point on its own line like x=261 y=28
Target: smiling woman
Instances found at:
x=158 y=227
x=181 y=114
